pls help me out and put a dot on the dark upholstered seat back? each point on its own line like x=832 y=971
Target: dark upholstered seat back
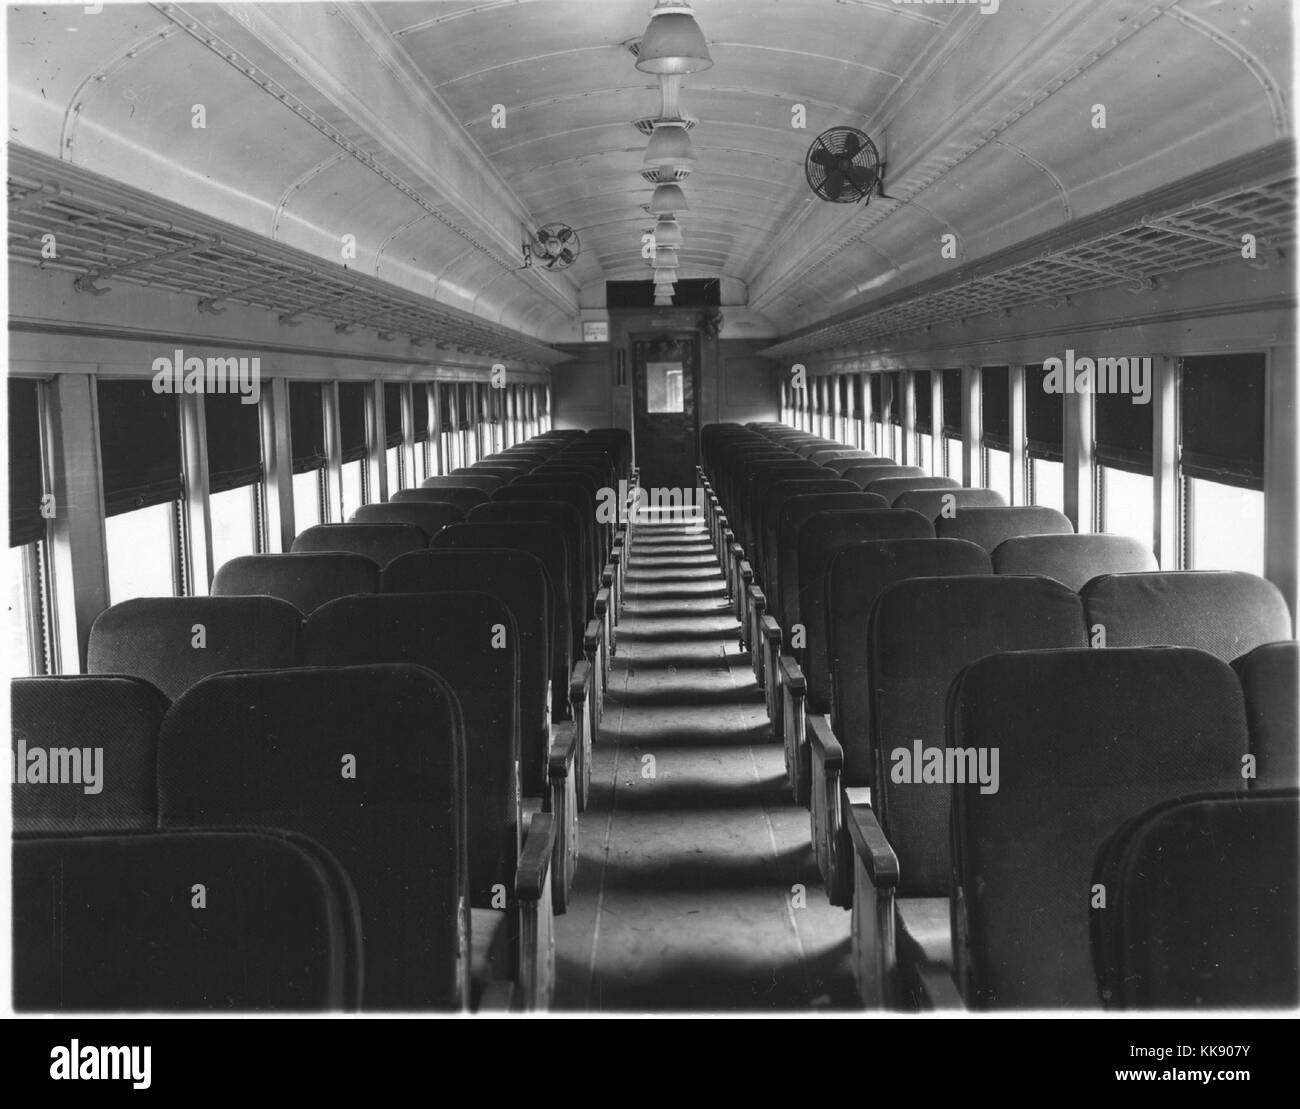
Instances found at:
x=1088 y=739
x=369 y=761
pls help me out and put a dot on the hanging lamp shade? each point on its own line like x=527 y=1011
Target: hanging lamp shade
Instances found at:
x=668 y=233
x=663 y=301
x=667 y=200
x=673 y=42
x=665 y=276
x=665 y=257
x=670 y=145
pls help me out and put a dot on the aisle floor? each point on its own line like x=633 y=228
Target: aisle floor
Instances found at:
x=692 y=849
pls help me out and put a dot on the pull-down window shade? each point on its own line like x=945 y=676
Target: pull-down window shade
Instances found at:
x=923 y=401
x=307 y=426
x=1222 y=399
x=952 y=403
x=1123 y=433
x=139 y=446
x=995 y=407
x=234 y=442
x=26 y=480
x=393 y=414
x=352 y=419
x=1044 y=417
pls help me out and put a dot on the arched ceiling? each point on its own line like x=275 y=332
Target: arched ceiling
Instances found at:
x=376 y=120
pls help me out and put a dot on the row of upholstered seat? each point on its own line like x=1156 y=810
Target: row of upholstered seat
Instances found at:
x=883 y=625
x=471 y=624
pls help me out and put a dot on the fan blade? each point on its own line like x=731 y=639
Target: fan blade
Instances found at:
x=851 y=144
x=824 y=158
x=863 y=177
x=834 y=184
x=567 y=256
x=564 y=234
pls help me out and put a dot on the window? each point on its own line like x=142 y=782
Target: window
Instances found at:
x=456 y=438
x=235 y=523
x=952 y=423
x=844 y=425
x=1124 y=450
x=997 y=471
x=234 y=476
x=354 y=486
x=1225 y=527
x=307 y=432
x=393 y=459
x=995 y=408
x=663 y=384
x=952 y=458
x=141 y=546
x=1221 y=461
x=307 y=497
x=139 y=445
x=352 y=436
x=1044 y=422
x=1127 y=502
x=394 y=436
x=923 y=419
x=1047 y=484
x=925 y=452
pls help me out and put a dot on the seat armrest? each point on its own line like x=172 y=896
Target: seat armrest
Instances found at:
x=564 y=748
x=535 y=858
x=592 y=637
x=771 y=629
x=828 y=747
x=579 y=682
x=534 y=895
x=871 y=846
x=792 y=676
x=602 y=602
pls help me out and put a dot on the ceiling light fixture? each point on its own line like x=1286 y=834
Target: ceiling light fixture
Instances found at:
x=667 y=200
x=668 y=232
x=665 y=256
x=670 y=145
x=673 y=42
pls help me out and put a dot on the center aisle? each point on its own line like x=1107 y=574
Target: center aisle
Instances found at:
x=692 y=849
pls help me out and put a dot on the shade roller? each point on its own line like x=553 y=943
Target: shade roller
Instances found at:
x=26 y=475
x=234 y=442
x=1044 y=417
x=995 y=407
x=352 y=419
x=1223 y=399
x=393 y=414
x=306 y=426
x=1124 y=433
x=139 y=446
x=923 y=401
x=952 y=403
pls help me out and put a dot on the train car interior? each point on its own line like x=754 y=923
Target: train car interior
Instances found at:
x=637 y=507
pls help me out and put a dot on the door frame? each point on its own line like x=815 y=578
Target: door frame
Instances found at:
x=667 y=334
